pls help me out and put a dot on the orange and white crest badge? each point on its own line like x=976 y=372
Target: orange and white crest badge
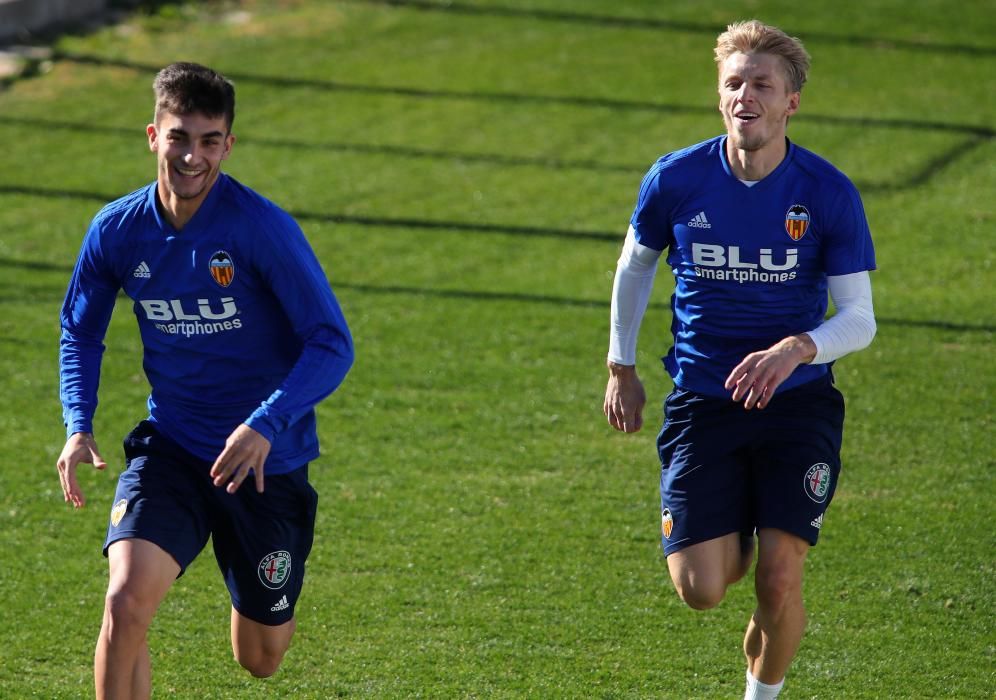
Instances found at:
x=796 y=221
x=667 y=523
x=222 y=268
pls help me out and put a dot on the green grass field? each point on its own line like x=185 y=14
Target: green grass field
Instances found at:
x=465 y=171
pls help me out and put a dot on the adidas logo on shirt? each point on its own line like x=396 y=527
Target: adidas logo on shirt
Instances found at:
x=142 y=271
x=700 y=221
x=282 y=604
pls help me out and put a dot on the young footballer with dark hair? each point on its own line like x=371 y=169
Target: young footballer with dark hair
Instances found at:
x=242 y=337
x=757 y=231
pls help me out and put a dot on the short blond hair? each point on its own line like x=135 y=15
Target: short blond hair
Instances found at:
x=752 y=36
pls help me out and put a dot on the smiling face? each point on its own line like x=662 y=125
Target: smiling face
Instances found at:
x=189 y=149
x=756 y=101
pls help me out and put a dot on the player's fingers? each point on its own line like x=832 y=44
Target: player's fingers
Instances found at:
x=615 y=421
x=98 y=461
x=60 y=467
x=222 y=467
x=258 y=471
x=238 y=477
x=738 y=373
x=611 y=410
x=74 y=493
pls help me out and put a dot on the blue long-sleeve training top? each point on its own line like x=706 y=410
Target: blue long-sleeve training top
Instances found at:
x=237 y=319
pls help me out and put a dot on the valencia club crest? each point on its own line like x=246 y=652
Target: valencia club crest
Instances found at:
x=222 y=268
x=796 y=221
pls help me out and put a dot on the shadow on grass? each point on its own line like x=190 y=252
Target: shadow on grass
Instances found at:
x=570 y=100
x=55 y=294
x=922 y=175
x=657 y=24
x=353 y=148
x=373 y=221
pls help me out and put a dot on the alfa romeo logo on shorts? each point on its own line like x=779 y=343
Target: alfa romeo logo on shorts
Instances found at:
x=274 y=569
x=817 y=482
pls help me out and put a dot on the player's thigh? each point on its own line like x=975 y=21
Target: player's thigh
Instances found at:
x=160 y=497
x=781 y=559
x=797 y=460
x=253 y=640
x=701 y=572
x=141 y=574
x=705 y=473
x=262 y=541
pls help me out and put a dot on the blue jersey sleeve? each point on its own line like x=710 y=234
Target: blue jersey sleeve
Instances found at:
x=86 y=312
x=651 y=219
x=297 y=280
x=848 y=248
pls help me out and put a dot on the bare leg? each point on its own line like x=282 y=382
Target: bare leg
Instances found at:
x=776 y=628
x=702 y=572
x=141 y=680
x=140 y=576
x=260 y=648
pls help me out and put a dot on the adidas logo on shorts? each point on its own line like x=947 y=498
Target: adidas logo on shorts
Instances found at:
x=142 y=271
x=818 y=523
x=282 y=604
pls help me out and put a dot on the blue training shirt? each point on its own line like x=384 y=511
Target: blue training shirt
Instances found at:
x=750 y=262
x=236 y=316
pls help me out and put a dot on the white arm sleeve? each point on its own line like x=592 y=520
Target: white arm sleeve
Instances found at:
x=852 y=327
x=630 y=295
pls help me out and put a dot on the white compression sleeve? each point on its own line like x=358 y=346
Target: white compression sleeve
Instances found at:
x=852 y=326
x=630 y=294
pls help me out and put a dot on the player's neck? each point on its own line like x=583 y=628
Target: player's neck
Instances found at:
x=757 y=164
x=179 y=210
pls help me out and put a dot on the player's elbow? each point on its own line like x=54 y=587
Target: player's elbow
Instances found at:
x=870 y=329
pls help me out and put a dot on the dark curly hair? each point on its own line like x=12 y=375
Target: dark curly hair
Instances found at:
x=186 y=88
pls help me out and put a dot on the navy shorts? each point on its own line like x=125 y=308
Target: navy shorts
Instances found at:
x=261 y=540
x=725 y=469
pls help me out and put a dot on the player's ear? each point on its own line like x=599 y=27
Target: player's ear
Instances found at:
x=153 y=133
x=793 y=105
x=229 y=142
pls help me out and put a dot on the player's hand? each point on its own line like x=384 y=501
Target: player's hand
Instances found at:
x=755 y=379
x=80 y=447
x=624 y=398
x=245 y=449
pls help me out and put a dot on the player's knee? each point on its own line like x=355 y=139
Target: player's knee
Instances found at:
x=777 y=585
x=261 y=663
x=700 y=594
x=127 y=611
x=260 y=666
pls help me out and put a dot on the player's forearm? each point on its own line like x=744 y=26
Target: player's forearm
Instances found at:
x=324 y=362
x=634 y=281
x=79 y=377
x=853 y=325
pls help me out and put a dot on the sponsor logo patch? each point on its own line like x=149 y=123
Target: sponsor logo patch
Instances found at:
x=796 y=221
x=667 y=523
x=222 y=268
x=118 y=512
x=817 y=482
x=699 y=221
x=274 y=569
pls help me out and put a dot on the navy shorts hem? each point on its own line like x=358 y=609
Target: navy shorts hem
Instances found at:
x=273 y=620
x=699 y=538
x=147 y=537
